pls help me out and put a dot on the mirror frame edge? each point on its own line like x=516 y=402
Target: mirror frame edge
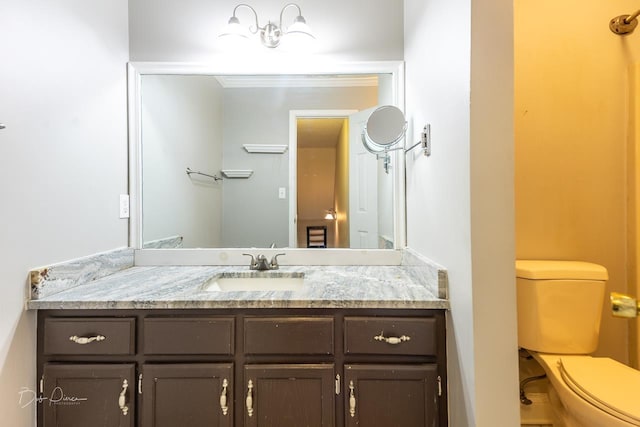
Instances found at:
x=135 y=71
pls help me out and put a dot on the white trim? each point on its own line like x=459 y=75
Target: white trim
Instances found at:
x=135 y=157
x=297 y=81
x=299 y=256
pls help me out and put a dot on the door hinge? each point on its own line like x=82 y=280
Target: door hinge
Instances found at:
x=338 y=384
x=439 y=381
x=140 y=384
x=42 y=384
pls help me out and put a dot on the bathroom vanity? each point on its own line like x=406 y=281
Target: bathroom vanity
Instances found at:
x=256 y=367
x=164 y=345
x=161 y=346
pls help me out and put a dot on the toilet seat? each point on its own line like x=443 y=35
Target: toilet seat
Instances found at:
x=605 y=383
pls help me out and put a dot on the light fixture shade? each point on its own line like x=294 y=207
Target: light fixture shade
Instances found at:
x=234 y=33
x=298 y=36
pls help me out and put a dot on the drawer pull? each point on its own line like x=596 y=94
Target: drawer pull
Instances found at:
x=86 y=340
x=223 y=397
x=122 y=400
x=250 y=398
x=391 y=340
x=352 y=400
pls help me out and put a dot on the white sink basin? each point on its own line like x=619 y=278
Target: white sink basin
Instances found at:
x=254 y=281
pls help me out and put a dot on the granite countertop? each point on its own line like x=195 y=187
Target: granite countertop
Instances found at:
x=182 y=287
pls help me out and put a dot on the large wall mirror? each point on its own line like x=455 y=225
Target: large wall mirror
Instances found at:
x=223 y=156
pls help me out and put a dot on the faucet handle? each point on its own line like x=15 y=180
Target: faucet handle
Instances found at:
x=253 y=260
x=274 y=261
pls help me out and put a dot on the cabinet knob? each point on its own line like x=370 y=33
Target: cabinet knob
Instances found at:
x=122 y=399
x=352 y=400
x=392 y=340
x=86 y=340
x=249 y=401
x=223 y=397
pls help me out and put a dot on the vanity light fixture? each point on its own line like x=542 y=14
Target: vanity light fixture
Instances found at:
x=271 y=35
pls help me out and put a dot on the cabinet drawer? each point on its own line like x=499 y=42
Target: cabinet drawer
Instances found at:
x=89 y=335
x=288 y=335
x=390 y=335
x=188 y=335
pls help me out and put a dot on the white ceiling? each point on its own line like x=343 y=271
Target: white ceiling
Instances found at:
x=319 y=132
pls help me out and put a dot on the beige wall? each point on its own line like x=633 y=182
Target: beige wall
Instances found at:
x=342 y=188
x=571 y=129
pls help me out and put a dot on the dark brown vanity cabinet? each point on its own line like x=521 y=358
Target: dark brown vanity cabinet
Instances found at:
x=289 y=395
x=242 y=368
x=186 y=395
x=80 y=395
x=391 y=395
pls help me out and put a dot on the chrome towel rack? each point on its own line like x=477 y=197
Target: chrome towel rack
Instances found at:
x=214 y=177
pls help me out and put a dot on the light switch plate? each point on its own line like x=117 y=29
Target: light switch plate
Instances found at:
x=282 y=193
x=124 y=206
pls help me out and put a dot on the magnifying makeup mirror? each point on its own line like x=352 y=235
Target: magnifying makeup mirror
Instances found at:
x=385 y=127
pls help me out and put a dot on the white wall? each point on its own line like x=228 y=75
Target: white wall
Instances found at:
x=63 y=157
x=182 y=128
x=253 y=214
x=460 y=200
x=187 y=30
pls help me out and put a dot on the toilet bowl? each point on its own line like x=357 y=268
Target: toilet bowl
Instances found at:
x=559 y=312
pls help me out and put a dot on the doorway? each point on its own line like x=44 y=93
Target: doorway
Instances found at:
x=319 y=175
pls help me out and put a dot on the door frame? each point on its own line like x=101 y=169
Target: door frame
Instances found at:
x=294 y=115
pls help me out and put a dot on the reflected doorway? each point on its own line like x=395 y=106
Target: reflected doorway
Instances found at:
x=323 y=181
x=342 y=186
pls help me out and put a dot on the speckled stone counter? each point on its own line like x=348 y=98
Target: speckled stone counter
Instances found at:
x=184 y=287
x=110 y=280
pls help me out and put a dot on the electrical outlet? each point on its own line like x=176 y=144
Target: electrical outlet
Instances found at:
x=282 y=193
x=124 y=206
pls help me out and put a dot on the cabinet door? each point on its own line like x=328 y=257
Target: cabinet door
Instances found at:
x=391 y=395
x=296 y=395
x=89 y=395
x=187 y=395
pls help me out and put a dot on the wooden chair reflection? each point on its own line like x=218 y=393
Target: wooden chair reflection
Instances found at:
x=317 y=236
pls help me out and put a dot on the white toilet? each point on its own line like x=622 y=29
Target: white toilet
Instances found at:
x=559 y=312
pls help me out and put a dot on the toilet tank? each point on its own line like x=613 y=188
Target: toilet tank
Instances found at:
x=559 y=305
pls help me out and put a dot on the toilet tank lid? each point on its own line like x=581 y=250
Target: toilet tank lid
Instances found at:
x=549 y=270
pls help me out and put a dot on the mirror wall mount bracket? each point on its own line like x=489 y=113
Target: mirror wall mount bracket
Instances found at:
x=425 y=141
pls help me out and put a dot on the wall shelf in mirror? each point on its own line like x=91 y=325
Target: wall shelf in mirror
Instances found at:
x=265 y=148
x=237 y=173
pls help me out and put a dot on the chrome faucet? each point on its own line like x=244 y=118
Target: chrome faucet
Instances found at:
x=260 y=262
